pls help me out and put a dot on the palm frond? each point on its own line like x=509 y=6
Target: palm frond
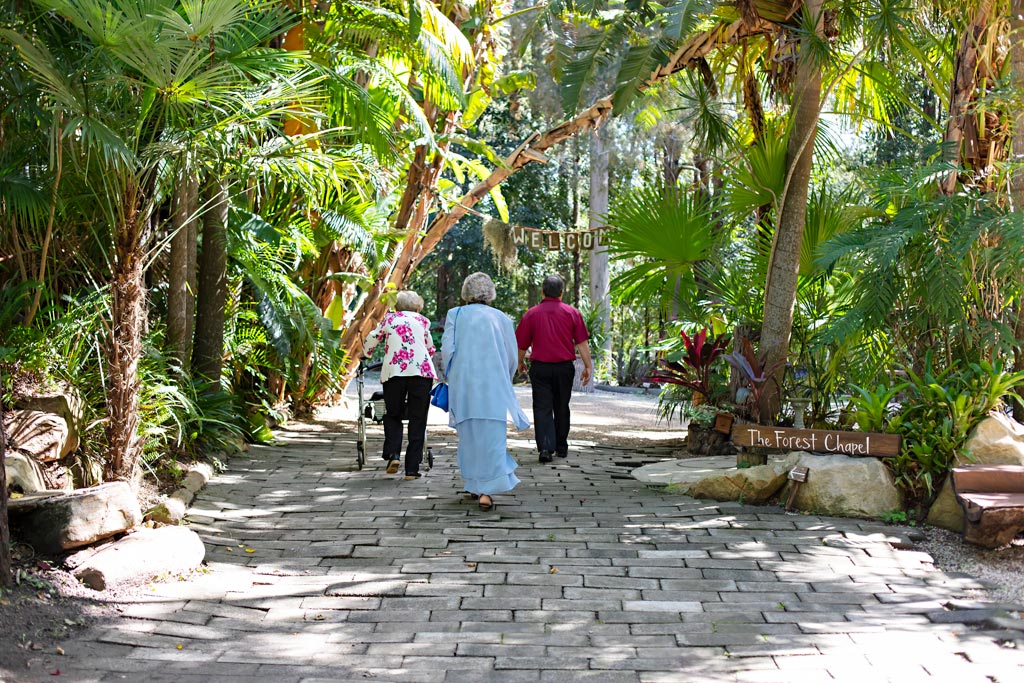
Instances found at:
x=663 y=232
x=594 y=53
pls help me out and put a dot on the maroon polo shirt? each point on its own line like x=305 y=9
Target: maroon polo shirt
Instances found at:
x=553 y=329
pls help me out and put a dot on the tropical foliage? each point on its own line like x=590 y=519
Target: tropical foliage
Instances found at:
x=207 y=203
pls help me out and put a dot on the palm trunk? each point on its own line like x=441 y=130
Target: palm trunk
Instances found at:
x=180 y=298
x=124 y=350
x=961 y=133
x=784 y=263
x=208 y=349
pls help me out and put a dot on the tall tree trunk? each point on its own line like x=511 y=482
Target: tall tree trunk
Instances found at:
x=1016 y=58
x=574 y=223
x=180 y=299
x=6 y=579
x=208 y=348
x=961 y=136
x=192 y=273
x=124 y=350
x=600 y=281
x=784 y=263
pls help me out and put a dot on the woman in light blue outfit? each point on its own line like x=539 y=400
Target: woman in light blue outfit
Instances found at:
x=480 y=344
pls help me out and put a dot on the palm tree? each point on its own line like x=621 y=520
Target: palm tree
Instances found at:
x=152 y=68
x=784 y=265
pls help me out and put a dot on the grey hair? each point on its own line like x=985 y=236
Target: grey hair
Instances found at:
x=409 y=300
x=478 y=288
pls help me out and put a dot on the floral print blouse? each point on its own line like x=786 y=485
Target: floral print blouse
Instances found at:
x=408 y=348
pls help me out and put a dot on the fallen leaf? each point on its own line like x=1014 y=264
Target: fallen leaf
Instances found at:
x=249 y=550
x=60 y=650
x=471 y=564
x=55 y=673
x=35 y=646
x=14 y=495
x=553 y=570
x=319 y=617
x=180 y=646
x=230 y=550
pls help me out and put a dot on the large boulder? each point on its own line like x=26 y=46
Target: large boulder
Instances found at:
x=997 y=440
x=754 y=485
x=55 y=523
x=23 y=473
x=67 y=403
x=847 y=487
x=39 y=435
x=142 y=556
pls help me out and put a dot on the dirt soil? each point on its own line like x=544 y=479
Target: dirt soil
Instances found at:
x=45 y=605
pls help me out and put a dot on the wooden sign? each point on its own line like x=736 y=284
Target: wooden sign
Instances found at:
x=554 y=240
x=816 y=440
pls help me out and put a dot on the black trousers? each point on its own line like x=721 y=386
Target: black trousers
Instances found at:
x=552 y=389
x=406 y=398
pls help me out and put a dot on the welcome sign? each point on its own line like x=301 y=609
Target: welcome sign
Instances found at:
x=554 y=240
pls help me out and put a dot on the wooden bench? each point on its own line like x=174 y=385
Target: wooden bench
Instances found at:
x=992 y=497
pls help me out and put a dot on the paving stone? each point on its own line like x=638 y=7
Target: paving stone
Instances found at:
x=578 y=575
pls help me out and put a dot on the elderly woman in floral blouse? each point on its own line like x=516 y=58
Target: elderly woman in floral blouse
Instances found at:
x=407 y=375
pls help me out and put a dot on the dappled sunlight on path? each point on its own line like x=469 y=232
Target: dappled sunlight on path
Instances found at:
x=321 y=573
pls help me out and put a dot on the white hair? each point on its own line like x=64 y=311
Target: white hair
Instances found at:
x=409 y=300
x=478 y=288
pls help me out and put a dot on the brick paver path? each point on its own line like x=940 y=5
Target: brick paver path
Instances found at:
x=319 y=573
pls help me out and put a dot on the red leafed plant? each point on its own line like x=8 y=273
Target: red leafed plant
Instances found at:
x=755 y=373
x=693 y=370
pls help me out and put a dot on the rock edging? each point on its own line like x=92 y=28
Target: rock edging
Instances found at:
x=172 y=510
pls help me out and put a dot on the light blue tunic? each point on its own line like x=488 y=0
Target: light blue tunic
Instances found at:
x=480 y=394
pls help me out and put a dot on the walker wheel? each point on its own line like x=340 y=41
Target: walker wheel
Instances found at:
x=430 y=458
x=360 y=456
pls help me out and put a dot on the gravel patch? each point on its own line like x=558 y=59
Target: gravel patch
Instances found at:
x=1002 y=569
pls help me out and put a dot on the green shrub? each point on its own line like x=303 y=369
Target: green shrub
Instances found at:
x=940 y=409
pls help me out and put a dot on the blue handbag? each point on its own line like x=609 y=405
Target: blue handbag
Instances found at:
x=439 y=394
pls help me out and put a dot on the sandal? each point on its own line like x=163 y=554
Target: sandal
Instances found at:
x=488 y=506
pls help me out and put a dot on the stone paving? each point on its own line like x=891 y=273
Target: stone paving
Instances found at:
x=320 y=573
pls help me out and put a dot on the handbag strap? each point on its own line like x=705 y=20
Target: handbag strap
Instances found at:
x=455 y=320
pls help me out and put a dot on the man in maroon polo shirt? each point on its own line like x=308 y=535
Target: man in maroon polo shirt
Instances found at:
x=555 y=331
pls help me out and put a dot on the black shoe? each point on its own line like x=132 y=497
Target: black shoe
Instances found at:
x=393 y=464
x=545 y=456
x=561 y=455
